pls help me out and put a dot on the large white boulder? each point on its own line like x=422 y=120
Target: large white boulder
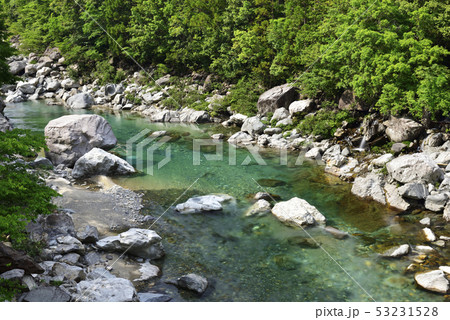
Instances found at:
x=402 y=129
x=297 y=212
x=277 y=97
x=416 y=167
x=142 y=243
x=70 y=137
x=240 y=137
x=370 y=187
x=80 y=101
x=253 y=126
x=100 y=162
x=301 y=107
x=433 y=281
x=104 y=289
x=17 y=67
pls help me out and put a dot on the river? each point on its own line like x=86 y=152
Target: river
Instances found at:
x=256 y=258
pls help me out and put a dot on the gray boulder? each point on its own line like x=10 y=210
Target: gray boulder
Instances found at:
x=253 y=126
x=30 y=69
x=46 y=294
x=14 y=274
x=398 y=147
x=138 y=242
x=240 y=137
x=441 y=158
x=80 y=101
x=100 y=162
x=370 y=187
x=5 y=125
x=53 y=85
x=278 y=97
x=193 y=282
x=280 y=114
x=414 y=190
x=314 y=153
x=211 y=202
x=17 y=67
x=88 y=235
x=111 y=289
x=272 y=131
x=433 y=281
x=446 y=214
x=415 y=168
x=26 y=88
x=260 y=207
x=301 y=107
x=434 y=140
x=43 y=72
x=70 y=137
x=297 y=212
x=148 y=271
x=436 y=202
x=68 y=272
x=382 y=160
x=69 y=84
x=402 y=129
x=238 y=119
x=394 y=199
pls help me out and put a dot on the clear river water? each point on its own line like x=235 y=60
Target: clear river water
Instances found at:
x=257 y=258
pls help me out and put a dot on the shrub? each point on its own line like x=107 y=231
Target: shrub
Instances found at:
x=23 y=194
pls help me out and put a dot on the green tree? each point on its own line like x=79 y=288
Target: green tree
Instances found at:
x=23 y=195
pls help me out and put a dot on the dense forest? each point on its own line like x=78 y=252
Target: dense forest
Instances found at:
x=393 y=54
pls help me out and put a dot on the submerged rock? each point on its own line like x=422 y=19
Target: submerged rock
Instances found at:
x=297 y=212
x=139 y=242
x=336 y=233
x=193 y=282
x=70 y=137
x=153 y=297
x=271 y=183
x=100 y=162
x=397 y=252
x=203 y=203
x=433 y=281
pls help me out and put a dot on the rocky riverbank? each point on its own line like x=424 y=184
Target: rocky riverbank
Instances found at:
x=410 y=174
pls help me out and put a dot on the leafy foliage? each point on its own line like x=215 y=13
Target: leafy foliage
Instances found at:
x=393 y=54
x=23 y=195
x=325 y=122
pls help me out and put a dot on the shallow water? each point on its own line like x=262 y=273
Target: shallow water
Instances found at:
x=256 y=259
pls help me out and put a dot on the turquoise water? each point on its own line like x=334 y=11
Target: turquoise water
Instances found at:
x=257 y=259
